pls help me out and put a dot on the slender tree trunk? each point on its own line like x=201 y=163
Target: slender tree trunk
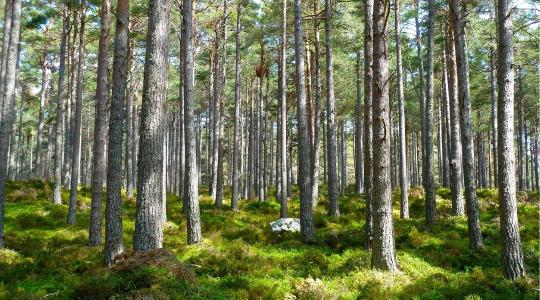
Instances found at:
x=403 y=174
x=76 y=130
x=191 y=187
x=100 y=127
x=429 y=184
x=283 y=111
x=421 y=95
x=458 y=17
x=8 y=14
x=113 y=210
x=368 y=119
x=512 y=257
x=237 y=158
x=494 y=134
x=60 y=116
x=384 y=253
x=8 y=99
x=43 y=93
x=445 y=119
x=333 y=189
x=521 y=134
x=307 y=229
x=458 y=208
x=358 y=157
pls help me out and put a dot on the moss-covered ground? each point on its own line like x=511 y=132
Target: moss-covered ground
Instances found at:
x=241 y=259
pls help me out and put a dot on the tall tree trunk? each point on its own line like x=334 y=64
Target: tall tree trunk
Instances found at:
x=222 y=78
x=191 y=187
x=60 y=115
x=403 y=174
x=283 y=111
x=458 y=17
x=100 y=127
x=8 y=14
x=307 y=230
x=113 y=210
x=521 y=134
x=458 y=208
x=333 y=189
x=421 y=93
x=149 y=220
x=358 y=157
x=368 y=119
x=494 y=126
x=76 y=130
x=8 y=99
x=512 y=257
x=237 y=158
x=384 y=253
x=43 y=93
x=429 y=184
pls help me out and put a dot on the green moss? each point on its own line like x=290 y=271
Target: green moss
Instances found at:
x=240 y=258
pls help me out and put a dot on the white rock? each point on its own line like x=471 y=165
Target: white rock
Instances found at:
x=285 y=224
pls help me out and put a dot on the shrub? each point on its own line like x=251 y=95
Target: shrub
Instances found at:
x=311 y=289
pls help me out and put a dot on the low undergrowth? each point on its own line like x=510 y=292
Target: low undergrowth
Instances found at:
x=241 y=259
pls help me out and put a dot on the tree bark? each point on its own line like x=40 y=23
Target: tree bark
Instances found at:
x=76 y=130
x=512 y=257
x=403 y=173
x=8 y=14
x=429 y=184
x=8 y=96
x=100 y=127
x=458 y=17
x=307 y=229
x=283 y=111
x=191 y=187
x=333 y=188
x=237 y=158
x=384 y=256
x=458 y=208
x=113 y=210
x=368 y=119
x=60 y=116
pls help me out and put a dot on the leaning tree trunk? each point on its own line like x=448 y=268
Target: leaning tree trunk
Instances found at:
x=100 y=127
x=191 y=182
x=331 y=137
x=60 y=116
x=384 y=252
x=237 y=155
x=149 y=220
x=113 y=210
x=458 y=17
x=403 y=173
x=307 y=229
x=8 y=109
x=368 y=118
x=76 y=130
x=512 y=257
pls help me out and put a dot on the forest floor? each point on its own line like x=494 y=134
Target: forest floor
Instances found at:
x=241 y=258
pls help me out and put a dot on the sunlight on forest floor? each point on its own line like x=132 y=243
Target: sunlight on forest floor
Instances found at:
x=240 y=258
